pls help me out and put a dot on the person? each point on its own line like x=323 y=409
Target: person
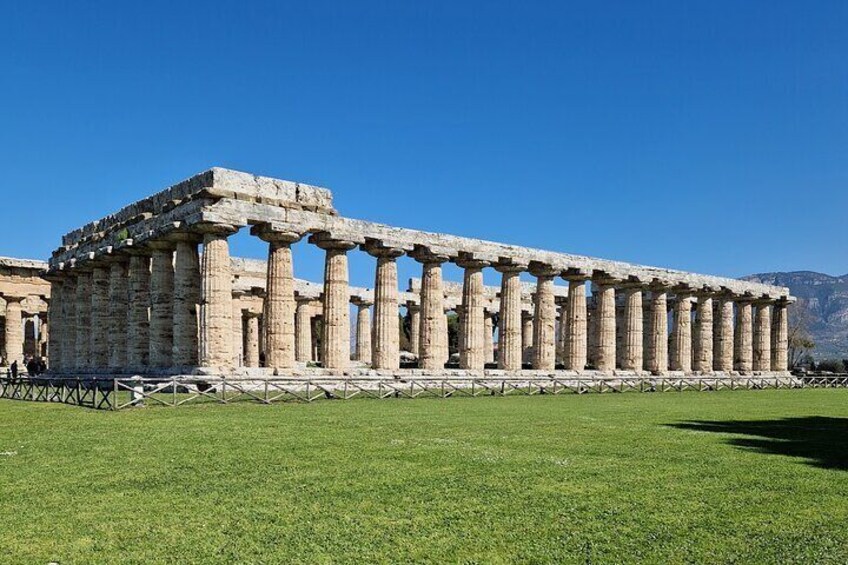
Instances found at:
x=42 y=366
x=14 y=369
x=32 y=368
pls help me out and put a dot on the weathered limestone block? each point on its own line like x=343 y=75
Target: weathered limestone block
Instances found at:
x=656 y=354
x=216 y=310
x=335 y=346
x=509 y=333
x=303 y=331
x=681 y=333
x=780 y=337
x=723 y=335
x=544 y=335
x=472 y=355
x=100 y=315
x=83 y=322
x=363 y=350
x=14 y=331
x=704 y=334
x=632 y=355
x=161 y=305
x=744 y=339
x=606 y=355
x=118 y=314
x=576 y=332
x=187 y=285
x=138 y=324
x=762 y=337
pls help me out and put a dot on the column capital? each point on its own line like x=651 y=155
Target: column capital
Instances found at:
x=327 y=242
x=361 y=302
x=209 y=228
x=511 y=265
x=576 y=275
x=276 y=233
x=12 y=297
x=413 y=306
x=385 y=249
x=604 y=279
x=430 y=255
x=160 y=245
x=543 y=271
x=181 y=236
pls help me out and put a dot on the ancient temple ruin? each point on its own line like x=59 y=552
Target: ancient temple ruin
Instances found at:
x=152 y=290
x=24 y=296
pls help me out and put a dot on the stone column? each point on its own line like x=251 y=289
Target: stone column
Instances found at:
x=762 y=337
x=279 y=301
x=138 y=322
x=335 y=346
x=527 y=336
x=386 y=345
x=362 y=353
x=69 y=322
x=187 y=284
x=161 y=304
x=544 y=334
x=488 y=337
x=14 y=331
x=414 y=326
x=433 y=345
x=472 y=354
x=216 y=300
x=251 y=346
x=656 y=353
x=239 y=357
x=606 y=354
x=509 y=329
x=303 y=330
x=83 y=300
x=681 y=333
x=704 y=334
x=632 y=354
x=118 y=293
x=780 y=337
x=575 y=355
x=43 y=338
x=744 y=344
x=723 y=335
x=315 y=334
x=562 y=316
x=54 y=323
x=100 y=314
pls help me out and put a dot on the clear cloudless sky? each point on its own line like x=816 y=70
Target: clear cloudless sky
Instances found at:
x=705 y=136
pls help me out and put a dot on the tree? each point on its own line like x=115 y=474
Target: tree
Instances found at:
x=800 y=341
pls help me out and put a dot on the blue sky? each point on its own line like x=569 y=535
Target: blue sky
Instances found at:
x=706 y=136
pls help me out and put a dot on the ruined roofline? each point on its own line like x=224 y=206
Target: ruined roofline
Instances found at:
x=15 y=263
x=213 y=184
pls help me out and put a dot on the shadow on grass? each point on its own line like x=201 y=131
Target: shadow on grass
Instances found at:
x=823 y=441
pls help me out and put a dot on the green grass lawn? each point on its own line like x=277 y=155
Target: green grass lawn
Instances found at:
x=728 y=477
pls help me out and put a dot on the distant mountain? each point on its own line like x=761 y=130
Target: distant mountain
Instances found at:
x=822 y=305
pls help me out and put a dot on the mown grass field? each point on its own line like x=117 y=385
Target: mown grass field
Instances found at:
x=728 y=477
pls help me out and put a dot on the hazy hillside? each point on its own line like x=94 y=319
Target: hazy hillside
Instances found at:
x=825 y=300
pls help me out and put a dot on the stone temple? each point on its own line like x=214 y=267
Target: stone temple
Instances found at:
x=152 y=290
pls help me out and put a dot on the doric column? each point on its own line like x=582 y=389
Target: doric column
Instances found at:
x=509 y=328
x=238 y=337
x=743 y=351
x=704 y=334
x=118 y=313
x=433 y=344
x=488 y=337
x=83 y=322
x=335 y=345
x=592 y=328
x=562 y=315
x=315 y=335
x=251 y=342
x=656 y=353
x=762 y=336
x=723 y=334
x=14 y=331
x=362 y=353
x=279 y=309
x=161 y=304
x=138 y=323
x=544 y=334
x=303 y=330
x=527 y=335
x=472 y=355
x=69 y=321
x=187 y=284
x=780 y=337
x=54 y=322
x=386 y=344
x=216 y=299
x=632 y=354
x=605 y=353
x=43 y=337
x=414 y=326
x=99 y=330
x=681 y=332
x=575 y=332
